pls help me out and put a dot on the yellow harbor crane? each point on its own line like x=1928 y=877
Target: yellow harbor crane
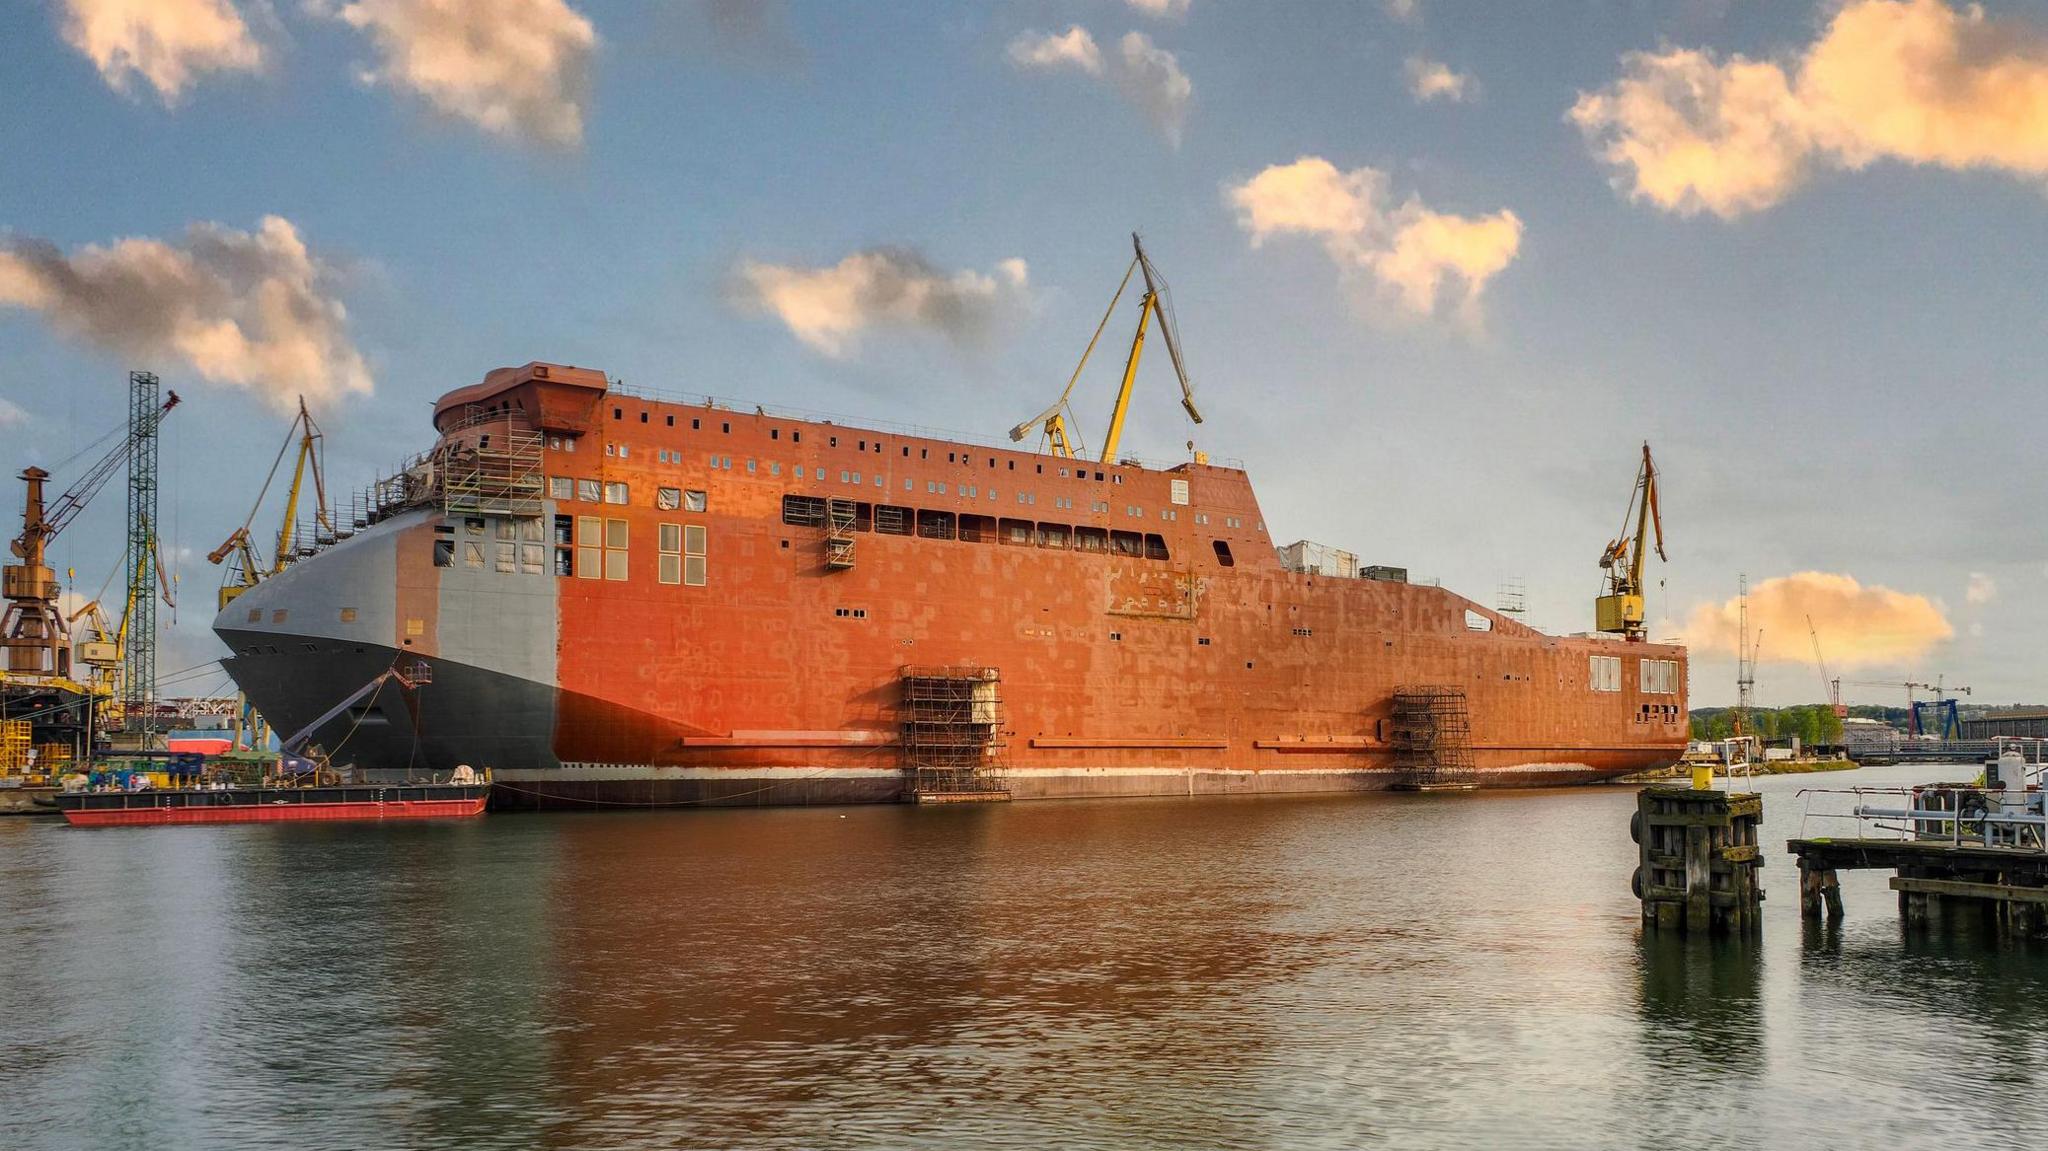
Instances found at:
x=248 y=570
x=1055 y=424
x=1619 y=608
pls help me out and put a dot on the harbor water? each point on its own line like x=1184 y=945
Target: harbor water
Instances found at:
x=1418 y=971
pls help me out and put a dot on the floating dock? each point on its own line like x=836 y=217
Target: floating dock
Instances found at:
x=1933 y=878
x=1979 y=847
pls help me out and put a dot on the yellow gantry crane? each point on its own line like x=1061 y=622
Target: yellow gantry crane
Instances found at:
x=1619 y=607
x=1055 y=423
x=248 y=570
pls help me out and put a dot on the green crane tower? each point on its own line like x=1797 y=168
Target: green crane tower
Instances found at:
x=138 y=693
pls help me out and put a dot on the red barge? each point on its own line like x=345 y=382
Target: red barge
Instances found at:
x=163 y=806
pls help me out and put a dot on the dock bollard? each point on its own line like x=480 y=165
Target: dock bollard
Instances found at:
x=1697 y=860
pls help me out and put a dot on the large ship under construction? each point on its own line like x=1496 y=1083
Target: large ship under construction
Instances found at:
x=626 y=600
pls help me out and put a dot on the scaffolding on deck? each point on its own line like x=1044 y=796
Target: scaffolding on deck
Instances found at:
x=498 y=474
x=840 y=517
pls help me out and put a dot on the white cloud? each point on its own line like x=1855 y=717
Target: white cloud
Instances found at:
x=12 y=415
x=1151 y=79
x=1908 y=80
x=1434 y=80
x=1405 y=11
x=1981 y=590
x=829 y=308
x=1074 y=48
x=1147 y=76
x=516 y=68
x=1161 y=8
x=1409 y=249
x=169 y=44
x=252 y=310
x=1862 y=626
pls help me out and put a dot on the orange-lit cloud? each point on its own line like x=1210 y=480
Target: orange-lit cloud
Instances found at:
x=516 y=68
x=1151 y=79
x=1423 y=257
x=253 y=310
x=1074 y=48
x=830 y=308
x=1859 y=626
x=1982 y=589
x=168 y=44
x=1435 y=80
x=1147 y=76
x=1910 y=80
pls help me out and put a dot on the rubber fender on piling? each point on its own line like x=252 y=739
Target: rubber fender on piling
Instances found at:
x=1635 y=882
x=1635 y=826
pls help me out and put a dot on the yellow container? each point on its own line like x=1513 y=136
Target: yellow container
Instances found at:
x=1615 y=612
x=14 y=742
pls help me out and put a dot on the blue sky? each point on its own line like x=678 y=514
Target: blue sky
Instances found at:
x=1836 y=369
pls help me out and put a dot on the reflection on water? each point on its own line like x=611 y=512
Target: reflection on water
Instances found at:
x=1702 y=1009
x=1424 y=971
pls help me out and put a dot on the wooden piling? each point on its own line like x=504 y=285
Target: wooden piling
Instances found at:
x=1698 y=860
x=1820 y=893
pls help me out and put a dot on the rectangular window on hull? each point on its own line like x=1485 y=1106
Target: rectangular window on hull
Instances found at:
x=803 y=511
x=1658 y=676
x=589 y=547
x=670 y=560
x=695 y=541
x=1604 y=673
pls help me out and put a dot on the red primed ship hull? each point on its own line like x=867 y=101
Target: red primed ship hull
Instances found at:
x=662 y=619
x=145 y=809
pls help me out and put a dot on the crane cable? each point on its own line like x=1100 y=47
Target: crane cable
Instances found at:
x=272 y=475
x=1090 y=350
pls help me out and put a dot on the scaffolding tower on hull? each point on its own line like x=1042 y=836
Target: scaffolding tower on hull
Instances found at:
x=1432 y=739
x=952 y=734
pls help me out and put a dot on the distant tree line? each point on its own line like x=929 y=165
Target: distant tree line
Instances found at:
x=1815 y=724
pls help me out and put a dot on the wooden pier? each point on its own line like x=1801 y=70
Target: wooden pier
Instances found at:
x=1936 y=879
x=1698 y=860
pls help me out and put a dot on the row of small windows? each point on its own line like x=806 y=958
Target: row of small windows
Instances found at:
x=511 y=547
x=696 y=424
x=563 y=489
x=586 y=547
x=568 y=444
x=886 y=519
